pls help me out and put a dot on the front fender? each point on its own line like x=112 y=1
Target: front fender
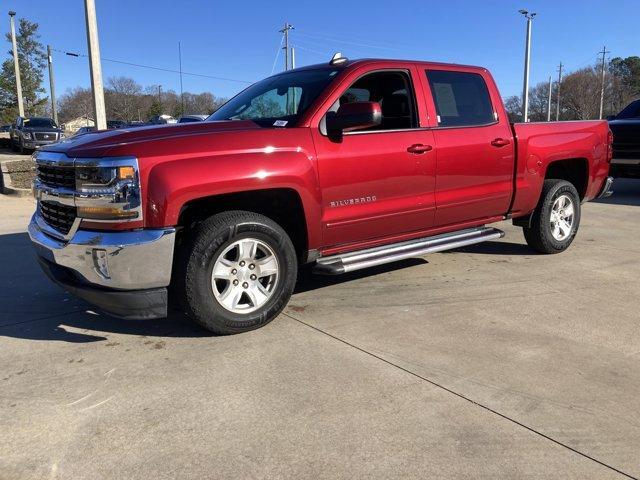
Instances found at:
x=174 y=183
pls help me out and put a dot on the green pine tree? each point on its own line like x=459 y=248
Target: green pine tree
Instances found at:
x=32 y=59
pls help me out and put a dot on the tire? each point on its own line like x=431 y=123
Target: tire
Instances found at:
x=21 y=149
x=552 y=229
x=216 y=243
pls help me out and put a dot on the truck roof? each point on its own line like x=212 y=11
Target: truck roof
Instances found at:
x=374 y=61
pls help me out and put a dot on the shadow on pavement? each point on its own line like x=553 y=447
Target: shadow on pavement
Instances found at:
x=307 y=281
x=626 y=191
x=496 y=248
x=32 y=307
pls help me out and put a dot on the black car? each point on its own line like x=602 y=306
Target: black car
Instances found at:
x=626 y=142
x=31 y=133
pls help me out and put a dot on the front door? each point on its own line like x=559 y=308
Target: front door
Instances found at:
x=377 y=182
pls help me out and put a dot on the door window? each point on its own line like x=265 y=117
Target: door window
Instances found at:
x=462 y=99
x=392 y=90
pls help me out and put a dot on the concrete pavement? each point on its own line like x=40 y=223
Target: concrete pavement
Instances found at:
x=486 y=362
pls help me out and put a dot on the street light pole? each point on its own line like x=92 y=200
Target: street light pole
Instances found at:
x=52 y=88
x=95 y=67
x=16 y=64
x=527 y=53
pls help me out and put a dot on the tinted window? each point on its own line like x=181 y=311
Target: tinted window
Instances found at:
x=390 y=90
x=39 y=123
x=462 y=99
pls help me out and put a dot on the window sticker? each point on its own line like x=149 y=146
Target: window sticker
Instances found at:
x=280 y=123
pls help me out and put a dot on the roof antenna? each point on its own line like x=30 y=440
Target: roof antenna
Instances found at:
x=338 y=59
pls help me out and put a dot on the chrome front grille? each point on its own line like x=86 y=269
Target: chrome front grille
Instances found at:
x=60 y=217
x=46 y=137
x=55 y=176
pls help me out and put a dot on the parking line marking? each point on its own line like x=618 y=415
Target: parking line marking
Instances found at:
x=463 y=397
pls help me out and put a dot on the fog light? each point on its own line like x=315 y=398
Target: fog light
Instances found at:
x=106 y=213
x=100 y=263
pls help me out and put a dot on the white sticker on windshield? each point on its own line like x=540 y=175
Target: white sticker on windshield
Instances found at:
x=280 y=123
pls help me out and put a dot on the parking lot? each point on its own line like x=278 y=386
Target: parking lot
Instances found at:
x=485 y=362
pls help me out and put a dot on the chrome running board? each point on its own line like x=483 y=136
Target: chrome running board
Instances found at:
x=371 y=257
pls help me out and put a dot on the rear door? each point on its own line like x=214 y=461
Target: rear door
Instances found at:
x=474 y=146
x=377 y=182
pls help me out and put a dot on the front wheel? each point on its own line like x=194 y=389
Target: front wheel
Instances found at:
x=239 y=272
x=555 y=221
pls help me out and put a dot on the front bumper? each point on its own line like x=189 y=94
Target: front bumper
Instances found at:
x=34 y=144
x=124 y=273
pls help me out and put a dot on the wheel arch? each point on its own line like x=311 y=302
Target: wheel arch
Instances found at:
x=282 y=205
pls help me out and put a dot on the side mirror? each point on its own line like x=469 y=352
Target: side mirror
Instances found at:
x=353 y=116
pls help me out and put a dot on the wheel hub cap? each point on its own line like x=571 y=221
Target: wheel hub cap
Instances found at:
x=562 y=216
x=245 y=275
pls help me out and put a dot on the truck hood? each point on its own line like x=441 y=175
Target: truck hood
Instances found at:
x=100 y=143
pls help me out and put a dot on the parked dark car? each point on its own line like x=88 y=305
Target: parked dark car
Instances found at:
x=4 y=134
x=192 y=118
x=626 y=142
x=114 y=124
x=31 y=133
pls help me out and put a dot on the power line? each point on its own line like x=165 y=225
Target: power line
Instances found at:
x=132 y=64
x=344 y=40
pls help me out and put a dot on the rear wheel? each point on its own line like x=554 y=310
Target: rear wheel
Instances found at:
x=556 y=219
x=239 y=272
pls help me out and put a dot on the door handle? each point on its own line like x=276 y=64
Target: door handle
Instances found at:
x=419 y=148
x=500 y=142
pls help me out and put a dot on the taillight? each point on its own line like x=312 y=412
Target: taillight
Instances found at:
x=609 y=146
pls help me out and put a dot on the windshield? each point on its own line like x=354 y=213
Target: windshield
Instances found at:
x=630 y=111
x=39 y=123
x=277 y=101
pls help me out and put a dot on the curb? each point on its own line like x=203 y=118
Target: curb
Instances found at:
x=7 y=185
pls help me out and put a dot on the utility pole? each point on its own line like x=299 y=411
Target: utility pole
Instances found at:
x=603 y=52
x=95 y=67
x=181 y=91
x=527 y=53
x=16 y=64
x=285 y=30
x=549 y=102
x=52 y=88
x=160 y=98
x=558 y=96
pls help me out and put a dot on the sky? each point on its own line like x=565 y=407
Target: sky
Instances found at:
x=238 y=41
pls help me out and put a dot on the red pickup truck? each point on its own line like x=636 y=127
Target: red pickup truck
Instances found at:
x=342 y=166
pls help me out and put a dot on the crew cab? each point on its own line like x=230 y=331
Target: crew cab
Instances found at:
x=35 y=132
x=339 y=166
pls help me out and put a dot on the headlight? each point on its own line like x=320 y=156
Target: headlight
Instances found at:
x=108 y=190
x=27 y=135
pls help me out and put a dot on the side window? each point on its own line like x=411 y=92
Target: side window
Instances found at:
x=393 y=91
x=462 y=99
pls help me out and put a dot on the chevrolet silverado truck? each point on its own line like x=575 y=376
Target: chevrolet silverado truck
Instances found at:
x=339 y=166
